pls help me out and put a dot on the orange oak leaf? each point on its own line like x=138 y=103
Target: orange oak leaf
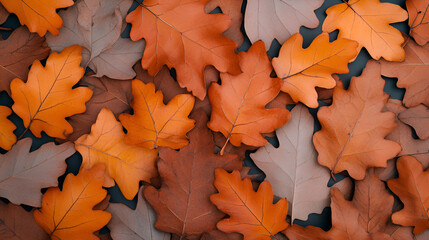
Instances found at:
x=155 y=124
x=17 y=53
x=354 y=128
x=252 y=214
x=125 y=164
x=368 y=23
x=181 y=35
x=7 y=137
x=411 y=73
x=418 y=20
x=182 y=203
x=304 y=69
x=418 y=118
x=238 y=105
x=69 y=214
x=38 y=16
x=411 y=188
x=47 y=98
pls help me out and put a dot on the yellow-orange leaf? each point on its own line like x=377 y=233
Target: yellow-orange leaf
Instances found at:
x=181 y=35
x=238 y=105
x=154 y=124
x=354 y=126
x=38 y=15
x=7 y=138
x=47 y=98
x=69 y=214
x=251 y=213
x=304 y=69
x=368 y=23
x=126 y=164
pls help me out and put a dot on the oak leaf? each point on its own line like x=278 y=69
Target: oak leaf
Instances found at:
x=3 y=14
x=368 y=23
x=278 y=19
x=7 y=137
x=411 y=73
x=182 y=203
x=217 y=235
x=38 y=16
x=125 y=164
x=418 y=118
x=232 y=8
x=24 y=173
x=292 y=168
x=16 y=223
x=17 y=53
x=354 y=128
x=138 y=224
x=304 y=69
x=418 y=20
x=96 y=25
x=69 y=214
x=252 y=214
x=182 y=36
x=238 y=105
x=411 y=188
x=47 y=98
x=155 y=124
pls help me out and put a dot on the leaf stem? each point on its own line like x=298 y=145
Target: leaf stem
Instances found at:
x=224 y=146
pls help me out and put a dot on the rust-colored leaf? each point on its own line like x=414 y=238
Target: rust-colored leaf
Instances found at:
x=418 y=20
x=69 y=214
x=38 y=16
x=252 y=214
x=125 y=164
x=354 y=128
x=411 y=188
x=155 y=124
x=368 y=23
x=48 y=97
x=181 y=35
x=411 y=73
x=304 y=69
x=418 y=118
x=3 y=14
x=182 y=203
x=7 y=137
x=238 y=105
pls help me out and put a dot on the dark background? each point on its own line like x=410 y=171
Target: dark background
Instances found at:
x=320 y=220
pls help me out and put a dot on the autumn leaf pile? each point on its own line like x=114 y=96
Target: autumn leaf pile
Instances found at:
x=174 y=105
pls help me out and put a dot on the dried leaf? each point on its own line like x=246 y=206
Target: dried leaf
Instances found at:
x=304 y=69
x=238 y=105
x=155 y=124
x=38 y=17
x=397 y=232
x=68 y=214
x=418 y=118
x=418 y=20
x=171 y=25
x=411 y=188
x=125 y=164
x=411 y=73
x=182 y=204
x=47 y=98
x=24 y=173
x=252 y=214
x=354 y=128
x=219 y=235
x=7 y=137
x=232 y=8
x=279 y=19
x=96 y=25
x=292 y=168
x=135 y=224
x=16 y=223
x=17 y=53
x=3 y=14
x=368 y=23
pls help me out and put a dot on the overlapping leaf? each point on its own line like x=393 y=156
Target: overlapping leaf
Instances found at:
x=181 y=35
x=418 y=20
x=418 y=118
x=7 y=137
x=304 y=69
x=3 y=14
x=125 y=164
x=47 y=98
